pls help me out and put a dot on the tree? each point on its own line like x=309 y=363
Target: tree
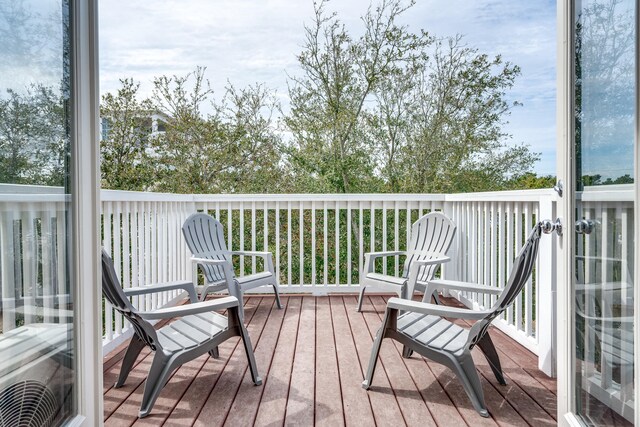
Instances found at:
x=399 y=111
x=530 y=180
x=126 y=161
x=231 y=149
x=329 y=150
x=33 y=137
x=447 y=133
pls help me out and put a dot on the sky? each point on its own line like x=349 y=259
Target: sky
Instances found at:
x=256 y=41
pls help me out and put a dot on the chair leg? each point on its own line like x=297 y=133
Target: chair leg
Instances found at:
x=158 y=375
x=135 y=346
x=361 y=297
x=250 y=356
x=406 y=352
x=490 y=353
x=215 y=353
x=277 y=292
x=466 y=370
x=375 y=351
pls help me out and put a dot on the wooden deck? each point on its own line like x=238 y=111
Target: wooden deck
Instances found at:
x=311 y=356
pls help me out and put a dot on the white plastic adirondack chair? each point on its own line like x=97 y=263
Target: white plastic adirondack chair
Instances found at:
x=423 y=327
x=205 y=238
x=431 y=236
x=198 y=330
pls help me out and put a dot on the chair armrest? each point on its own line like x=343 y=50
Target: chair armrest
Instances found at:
x=384 y=253
x=370 y=257
x=464 y=286
x=266 y=256
x=438 y=310
x=189 y=309
x=251 y=253
x=208 y=261
x=162 y=287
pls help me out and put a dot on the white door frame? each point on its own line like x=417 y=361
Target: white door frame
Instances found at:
x=566 y=172
x=85 y=211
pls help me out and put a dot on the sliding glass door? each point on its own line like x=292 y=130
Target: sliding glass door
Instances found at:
x=37 y=344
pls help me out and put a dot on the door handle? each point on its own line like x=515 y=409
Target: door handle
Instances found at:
x=549 y=226
x=585 y=226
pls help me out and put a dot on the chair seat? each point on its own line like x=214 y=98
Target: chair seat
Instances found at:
x=191 y=331
x=434 y=332
x=386 y=279
x=254 y=280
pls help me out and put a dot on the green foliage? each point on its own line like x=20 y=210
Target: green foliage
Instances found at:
x=387 y=111
x=33 y=137
x=590 y=180
x=530 y=180
x=394 y=111
x=233 y=149
x=125 y=161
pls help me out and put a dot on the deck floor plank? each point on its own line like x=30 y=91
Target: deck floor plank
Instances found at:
x=300 y=401
x=328 y=404
x=273 y=401
x=357 y=407
x=312 y=356
x=383 y=402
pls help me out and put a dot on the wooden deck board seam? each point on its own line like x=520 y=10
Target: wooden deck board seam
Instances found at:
x=335 y=346
x=293 y=359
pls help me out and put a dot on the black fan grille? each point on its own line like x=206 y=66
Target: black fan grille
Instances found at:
x=27 y=404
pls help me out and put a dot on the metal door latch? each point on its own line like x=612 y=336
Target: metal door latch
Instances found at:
x=549 y=226
x=585 y=226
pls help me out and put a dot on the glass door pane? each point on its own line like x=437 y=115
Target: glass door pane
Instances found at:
x=36 y=305
x=605 y=117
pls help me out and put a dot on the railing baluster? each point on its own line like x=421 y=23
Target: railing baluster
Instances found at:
x=349 y=231
x=117 y=257
x=384 y=237
x=8 y=254
x=396 y=237
x=337 y=237
x=254 y=231
x=301 y=237
x=289 y=243
x=277 y=212
x=313 y=244
x=325 y=247
x=360 y=240
x=241 y=237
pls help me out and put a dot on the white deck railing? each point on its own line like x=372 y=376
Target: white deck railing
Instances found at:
x=318 y=241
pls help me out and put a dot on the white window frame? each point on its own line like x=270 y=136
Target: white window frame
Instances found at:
x=85 y=186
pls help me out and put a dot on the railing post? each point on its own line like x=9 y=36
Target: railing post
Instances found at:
x=546 y=292
x=450 y=270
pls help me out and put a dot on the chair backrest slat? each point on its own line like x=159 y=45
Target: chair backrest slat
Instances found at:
x=205 y=238
x=431 y=237
x=520 y=273
x=112 y=291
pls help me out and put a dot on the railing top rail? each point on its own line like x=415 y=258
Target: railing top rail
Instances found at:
x=135 y=196
x=504 y=196
x=138 y=196
x=29 y=189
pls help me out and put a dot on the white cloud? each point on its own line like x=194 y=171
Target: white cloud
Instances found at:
x=249 y=41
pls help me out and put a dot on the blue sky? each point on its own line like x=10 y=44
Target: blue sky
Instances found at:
x=249 y=41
